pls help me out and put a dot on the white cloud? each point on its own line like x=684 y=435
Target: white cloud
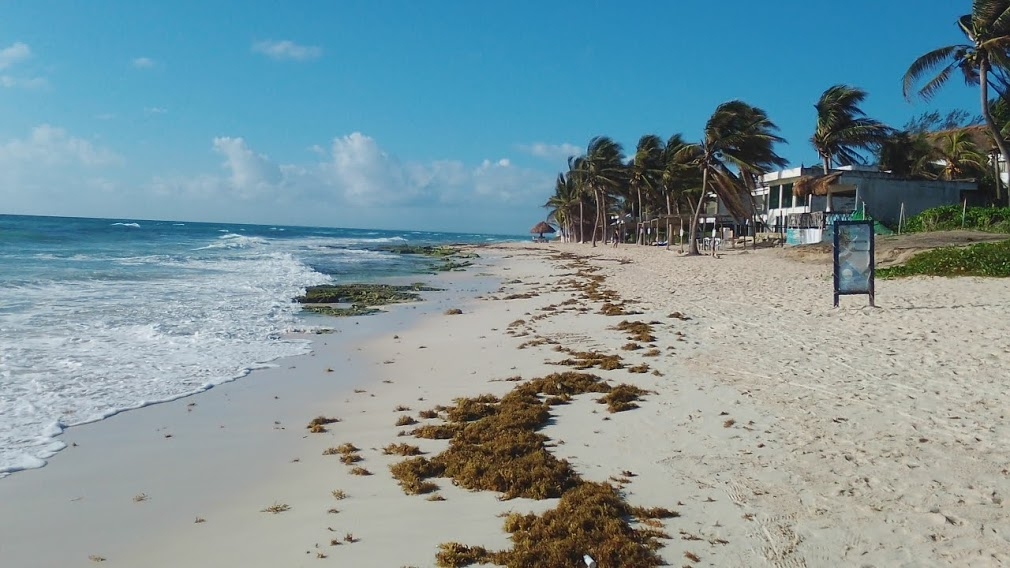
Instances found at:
x=551 y=152
x=356 y=183
x=155 y=110
x=287 y=50
x=51 y=146
x=105 y=116
x=143 y=62
x=10 y=82
x=13 y=54
x=251 y=174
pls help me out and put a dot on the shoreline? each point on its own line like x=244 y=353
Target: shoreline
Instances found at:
x=84 y=482
x=781 y=430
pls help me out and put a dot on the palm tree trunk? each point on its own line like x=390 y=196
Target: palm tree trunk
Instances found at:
x=693 y=250
x=983 y=71
x=582 y=222
x=641 y=217
x=669 y=226
x=827 y=167
x=596 y=221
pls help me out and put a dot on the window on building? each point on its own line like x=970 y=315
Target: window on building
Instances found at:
x=787 y=195
x=773 y=197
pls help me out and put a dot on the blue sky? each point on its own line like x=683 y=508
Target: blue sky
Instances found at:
x=408 y=114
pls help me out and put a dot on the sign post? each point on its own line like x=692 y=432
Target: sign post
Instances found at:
x=854 y=270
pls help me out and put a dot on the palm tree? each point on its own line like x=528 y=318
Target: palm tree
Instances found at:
x=958 y=156
x=601 y=170
x=907 y=154
x=645 y=172
x=843 y=128
x=737 y=137
x=680 y=178
x=983 y=61
x=562 y=204
x=576 y=178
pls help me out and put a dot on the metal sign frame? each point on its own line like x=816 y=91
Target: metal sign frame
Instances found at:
x=871 y=269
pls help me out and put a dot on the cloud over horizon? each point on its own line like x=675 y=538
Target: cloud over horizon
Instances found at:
x=351 y=182
x=286 y=50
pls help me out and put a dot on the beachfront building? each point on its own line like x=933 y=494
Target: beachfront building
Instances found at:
x=800 y=202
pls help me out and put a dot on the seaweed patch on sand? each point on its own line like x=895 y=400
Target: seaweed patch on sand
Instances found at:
x=496 y=446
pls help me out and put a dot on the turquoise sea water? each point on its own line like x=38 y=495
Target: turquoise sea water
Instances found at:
x=103 y=315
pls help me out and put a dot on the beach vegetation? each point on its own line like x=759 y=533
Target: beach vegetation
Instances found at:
x=982 y=259
x=954 y=217
x=453 y=312
x=427 y=414
x=338 y=494
x=401 y=408
x=360 y=471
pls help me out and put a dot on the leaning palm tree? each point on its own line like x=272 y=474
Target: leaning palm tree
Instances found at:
x=843 y=128
x=645 y=172
x=561 y=206
x=738 y=138
x=601 y=170
x=983 y=61
x=681 y=179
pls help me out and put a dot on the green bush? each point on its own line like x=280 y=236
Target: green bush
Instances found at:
x=983 y=259
x=948 y=218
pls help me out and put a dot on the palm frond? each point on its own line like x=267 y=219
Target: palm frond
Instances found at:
x=925 y=64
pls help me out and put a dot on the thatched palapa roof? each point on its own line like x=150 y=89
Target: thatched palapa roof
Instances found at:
x=541 y=228
x=817 y=185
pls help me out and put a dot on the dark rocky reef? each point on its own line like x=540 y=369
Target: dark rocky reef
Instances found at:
x=363 y=298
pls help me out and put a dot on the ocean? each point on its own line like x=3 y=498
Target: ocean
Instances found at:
x=98 y=316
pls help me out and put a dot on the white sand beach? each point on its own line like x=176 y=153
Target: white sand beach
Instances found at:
x=786 y=433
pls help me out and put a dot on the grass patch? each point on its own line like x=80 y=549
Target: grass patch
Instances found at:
x=338 y=494
x=360 y=471
x=453 y=312
x=982 y=259
x=426 y=414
